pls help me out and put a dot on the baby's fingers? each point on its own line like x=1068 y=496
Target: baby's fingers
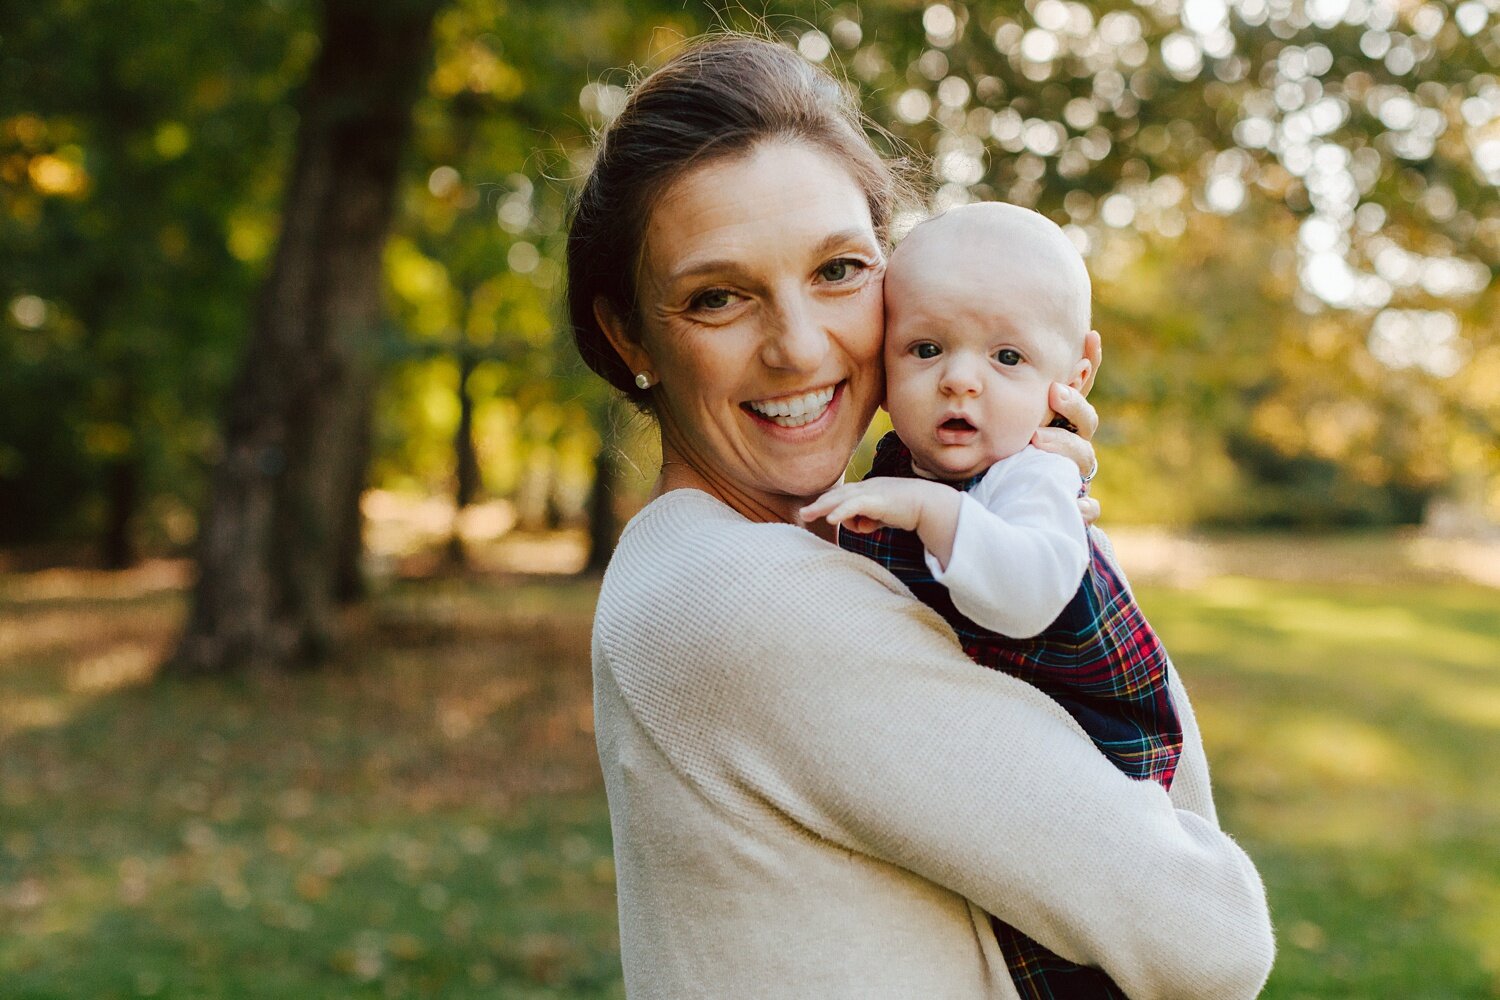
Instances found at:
x=851 y=509
x=823 y=504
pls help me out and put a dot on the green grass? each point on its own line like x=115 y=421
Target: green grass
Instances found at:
x=1354 y=733
x=424 y=819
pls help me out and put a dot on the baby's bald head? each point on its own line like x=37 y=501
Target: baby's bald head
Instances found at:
x=992 y=248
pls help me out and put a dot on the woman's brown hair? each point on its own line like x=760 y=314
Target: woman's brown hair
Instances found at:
x=719 y=97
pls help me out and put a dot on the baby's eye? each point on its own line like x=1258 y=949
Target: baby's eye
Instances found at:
x=839 y=270
x=1008 y=356
x=926 y=350
x=714 y=298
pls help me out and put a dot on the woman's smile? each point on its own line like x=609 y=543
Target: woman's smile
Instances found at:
x=802 y=409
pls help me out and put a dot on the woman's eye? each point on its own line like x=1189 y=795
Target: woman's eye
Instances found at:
x=1008 y=356
x=839 y=270
x=714 y=298
x=925 y=351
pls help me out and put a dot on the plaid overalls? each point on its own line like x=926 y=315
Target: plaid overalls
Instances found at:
x=1099 y=660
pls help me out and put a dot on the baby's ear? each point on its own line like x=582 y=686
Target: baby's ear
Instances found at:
x=1081 y=371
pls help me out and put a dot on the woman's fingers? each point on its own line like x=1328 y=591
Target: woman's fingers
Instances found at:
x=1069 y=404
x=1089 y=508
x=1067 y=444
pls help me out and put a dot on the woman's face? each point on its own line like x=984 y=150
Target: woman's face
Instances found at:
x=760 y=295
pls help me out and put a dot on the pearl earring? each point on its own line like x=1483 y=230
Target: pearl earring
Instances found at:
x=643 y=380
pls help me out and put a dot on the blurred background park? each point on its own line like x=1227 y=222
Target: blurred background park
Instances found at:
x=304 y=494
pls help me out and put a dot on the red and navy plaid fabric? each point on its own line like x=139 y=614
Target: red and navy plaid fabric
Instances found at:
x=1099 y=660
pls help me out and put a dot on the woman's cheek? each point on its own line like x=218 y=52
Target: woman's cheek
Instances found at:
x=868 y=336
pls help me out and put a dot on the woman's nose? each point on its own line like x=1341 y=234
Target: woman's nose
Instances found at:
x=798 y=342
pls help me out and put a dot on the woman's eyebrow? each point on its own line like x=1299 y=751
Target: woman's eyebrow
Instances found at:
x=832 y=241
x=722 y=265
x=694 y=269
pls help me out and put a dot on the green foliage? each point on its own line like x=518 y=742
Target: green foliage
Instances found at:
x=140 y=146
x=1288 y=210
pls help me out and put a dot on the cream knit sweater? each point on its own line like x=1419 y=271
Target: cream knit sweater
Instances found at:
x=815 y=794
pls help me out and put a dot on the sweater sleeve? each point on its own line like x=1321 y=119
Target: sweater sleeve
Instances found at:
x=1019 y=552
x=782 y=675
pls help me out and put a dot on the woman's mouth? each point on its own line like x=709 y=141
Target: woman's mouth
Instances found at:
x=794 y=411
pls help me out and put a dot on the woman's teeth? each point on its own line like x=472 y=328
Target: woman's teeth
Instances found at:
x=794 y=411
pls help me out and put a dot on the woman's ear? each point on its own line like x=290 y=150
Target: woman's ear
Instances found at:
x=629 y=350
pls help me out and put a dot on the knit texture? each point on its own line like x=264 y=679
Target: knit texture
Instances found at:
x=815 y=793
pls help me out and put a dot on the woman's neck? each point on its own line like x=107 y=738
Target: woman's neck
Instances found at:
x=680 y=471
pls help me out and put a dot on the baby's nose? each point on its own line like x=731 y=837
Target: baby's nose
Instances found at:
x=959 y=377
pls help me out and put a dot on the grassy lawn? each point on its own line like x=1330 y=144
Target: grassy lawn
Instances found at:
x=424 y=819
x=1355 y=737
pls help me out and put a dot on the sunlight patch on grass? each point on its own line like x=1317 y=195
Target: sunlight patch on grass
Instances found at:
x=1469 y=704
x=1326 y=615
x=1343 y=752
x=1478 y=923
x=20 y=713
x=119 y=667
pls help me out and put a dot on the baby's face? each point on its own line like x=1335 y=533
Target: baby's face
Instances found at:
x=971 y=351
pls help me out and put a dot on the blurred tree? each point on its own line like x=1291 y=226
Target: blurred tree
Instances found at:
x=1289 y=211
x=502 y=130
x=298 y=413
x=1287 y=205
x=137 y=153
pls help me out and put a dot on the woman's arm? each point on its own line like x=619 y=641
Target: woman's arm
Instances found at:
x=781 y=672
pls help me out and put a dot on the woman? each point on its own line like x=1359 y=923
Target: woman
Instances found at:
x=813 y=792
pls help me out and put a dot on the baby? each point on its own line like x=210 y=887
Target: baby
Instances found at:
x=987 y=306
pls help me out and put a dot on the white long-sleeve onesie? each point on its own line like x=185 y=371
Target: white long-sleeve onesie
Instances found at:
x=1021 y=547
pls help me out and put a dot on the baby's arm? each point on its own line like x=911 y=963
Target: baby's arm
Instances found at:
x=1020 y=548
x=930 y=509
x=1011 y=553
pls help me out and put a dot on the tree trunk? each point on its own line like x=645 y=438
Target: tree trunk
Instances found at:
x=122 y=495
x=350 y=585
x=269 y=551
x=603 y=528
x=122 y=487
x=466 y=459
x=604 y=521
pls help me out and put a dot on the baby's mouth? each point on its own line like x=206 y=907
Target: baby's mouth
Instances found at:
x=956 y=431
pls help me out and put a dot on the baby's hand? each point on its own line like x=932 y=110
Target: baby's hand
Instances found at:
x=883 y=502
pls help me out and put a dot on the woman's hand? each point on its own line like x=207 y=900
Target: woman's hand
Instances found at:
x=1071 y=405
